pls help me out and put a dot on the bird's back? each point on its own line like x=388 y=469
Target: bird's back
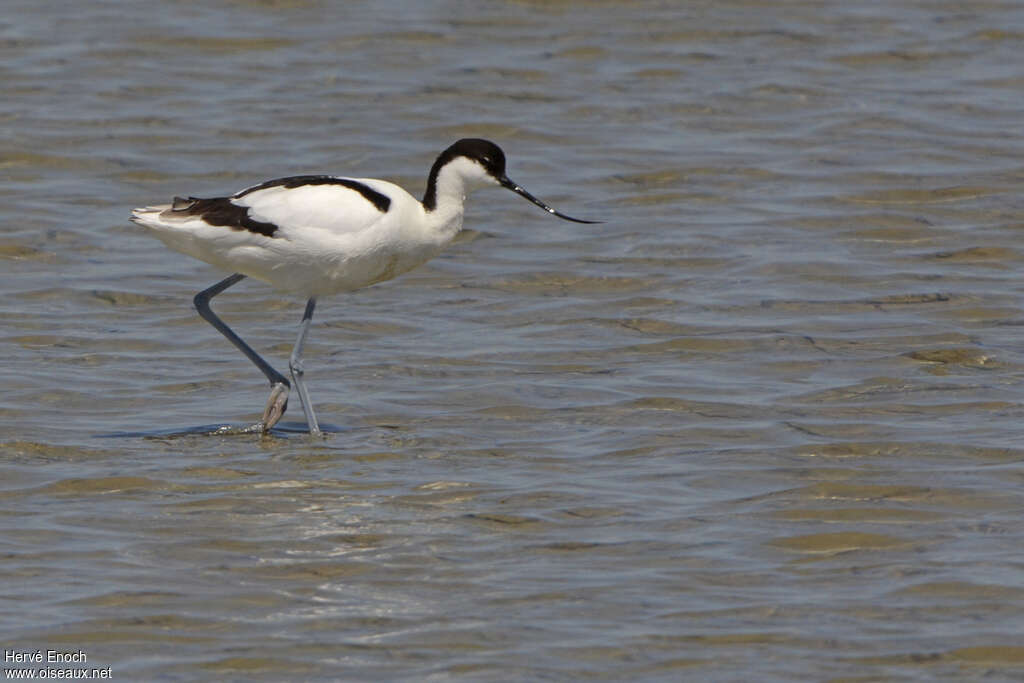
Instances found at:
x=308 y=234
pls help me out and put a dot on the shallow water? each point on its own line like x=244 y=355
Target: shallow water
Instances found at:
x=763 y=423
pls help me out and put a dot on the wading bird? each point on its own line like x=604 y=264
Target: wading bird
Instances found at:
x=316 y=235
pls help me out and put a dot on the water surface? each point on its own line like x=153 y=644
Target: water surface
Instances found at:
x=764 y=422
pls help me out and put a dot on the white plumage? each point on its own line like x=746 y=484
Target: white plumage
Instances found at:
x=320 y=235
x=329 y=238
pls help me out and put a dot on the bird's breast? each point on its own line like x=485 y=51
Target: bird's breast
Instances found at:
x=354 y=268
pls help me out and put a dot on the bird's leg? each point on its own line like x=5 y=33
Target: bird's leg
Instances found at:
x=278 y=401
x=297 y=370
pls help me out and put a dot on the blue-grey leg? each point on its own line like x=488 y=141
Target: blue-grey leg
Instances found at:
x=297 y=370
x=278 y=401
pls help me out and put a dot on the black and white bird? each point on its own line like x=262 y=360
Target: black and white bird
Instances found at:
x=317 y=235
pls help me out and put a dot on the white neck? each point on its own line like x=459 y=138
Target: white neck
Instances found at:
x=451 y=184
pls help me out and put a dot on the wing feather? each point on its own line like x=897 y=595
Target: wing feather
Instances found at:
x=337 y=205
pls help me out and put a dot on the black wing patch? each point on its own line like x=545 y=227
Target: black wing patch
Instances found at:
x=221 y=211
x=378 y=199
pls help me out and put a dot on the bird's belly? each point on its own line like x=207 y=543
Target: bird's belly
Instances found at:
x=328 y=273
x=377 y=267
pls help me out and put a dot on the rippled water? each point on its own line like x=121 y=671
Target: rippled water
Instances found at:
x=764 y=423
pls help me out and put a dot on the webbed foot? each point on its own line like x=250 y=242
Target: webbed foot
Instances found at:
x=276 y=405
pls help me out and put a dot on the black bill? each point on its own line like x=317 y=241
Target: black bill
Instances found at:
x=505 y=182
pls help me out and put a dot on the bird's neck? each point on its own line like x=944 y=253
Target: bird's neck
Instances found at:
x=445 y=198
